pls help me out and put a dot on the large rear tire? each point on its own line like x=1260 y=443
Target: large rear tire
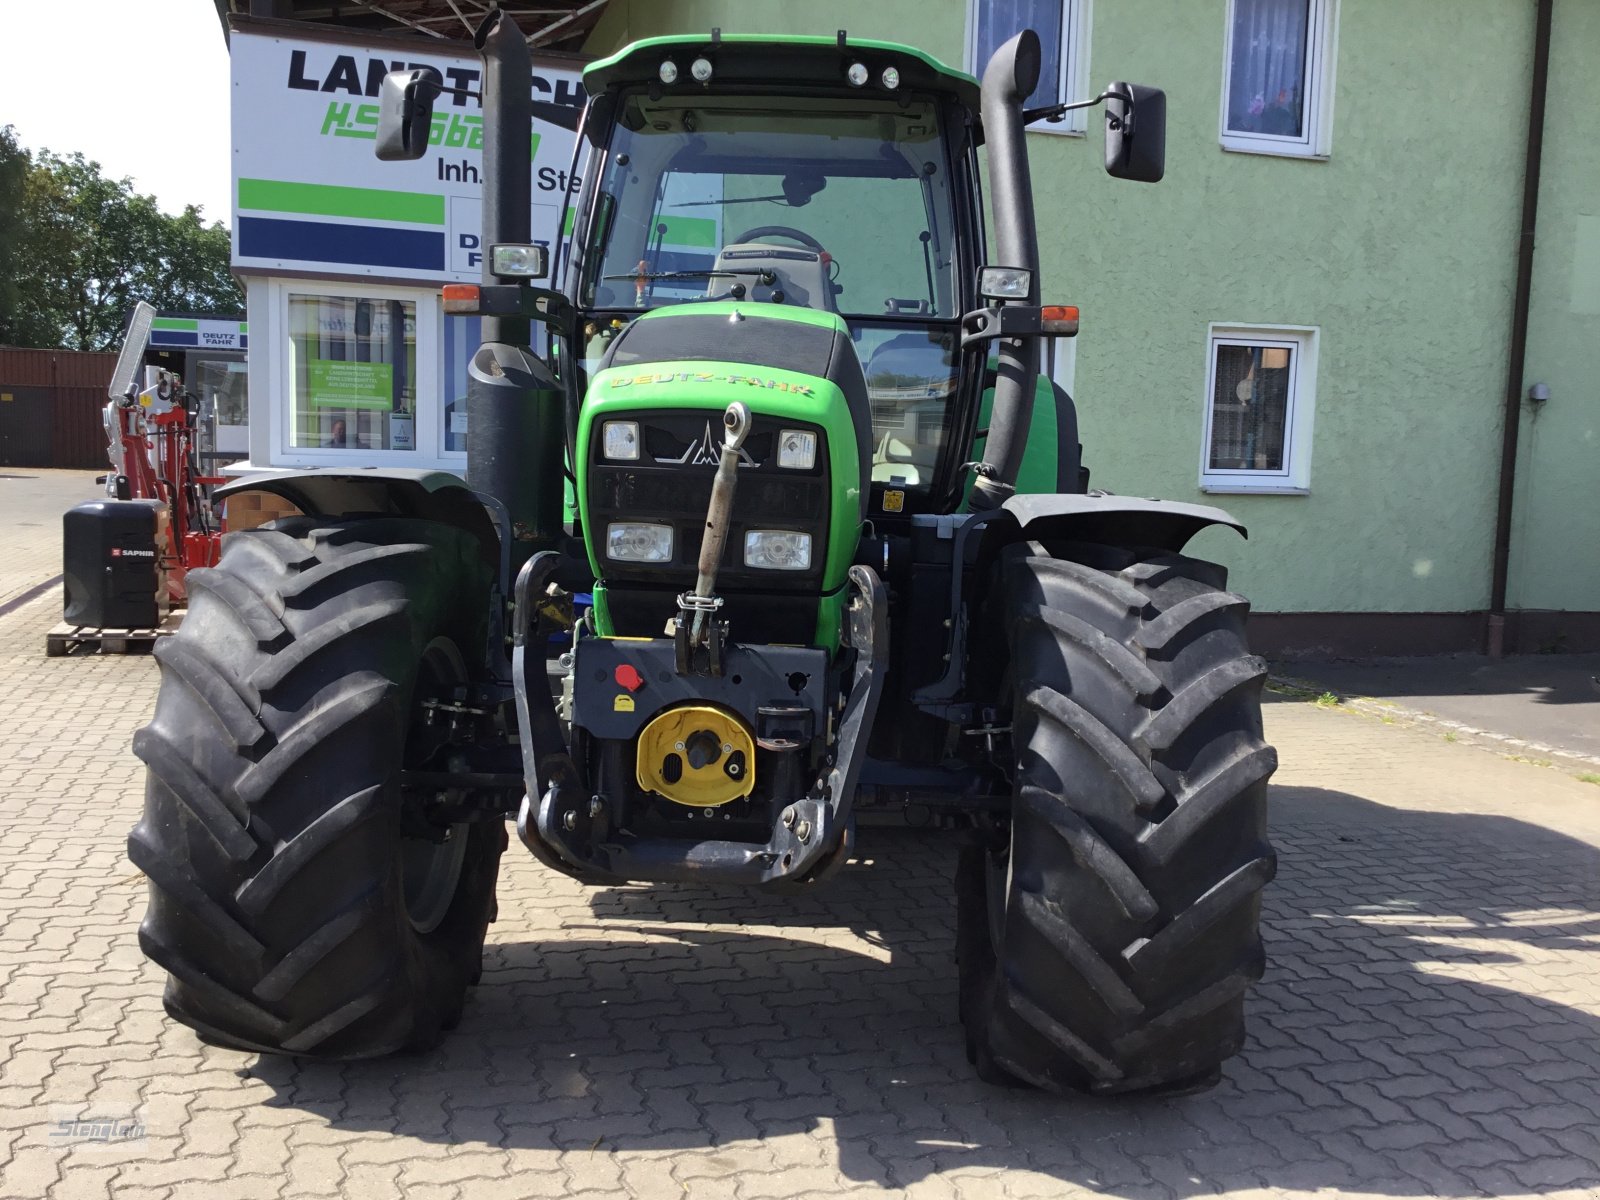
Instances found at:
x=1107 y=943
x=297 y=901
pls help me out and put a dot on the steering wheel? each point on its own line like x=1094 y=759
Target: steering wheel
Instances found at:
x=761 y=231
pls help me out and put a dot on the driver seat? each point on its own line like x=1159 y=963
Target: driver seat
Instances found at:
x=802 y=274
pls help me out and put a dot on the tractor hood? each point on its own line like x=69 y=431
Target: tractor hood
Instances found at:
x=760 y=352
x=671 y=374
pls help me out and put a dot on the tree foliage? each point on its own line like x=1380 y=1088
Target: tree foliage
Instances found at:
x=15 y=165
x=77 y=250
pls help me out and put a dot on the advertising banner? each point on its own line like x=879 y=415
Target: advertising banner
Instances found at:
x=210 y=333
x=341 y=384
x=311 y=197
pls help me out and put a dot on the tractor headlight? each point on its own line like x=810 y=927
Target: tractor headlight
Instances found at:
x=620 y=440
x=635 y=541
x=777 y=550
x=1004 y=283
x=517 y=261
x=797 y=449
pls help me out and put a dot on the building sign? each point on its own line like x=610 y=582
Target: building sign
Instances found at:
x=201 y=332
x=309 y=194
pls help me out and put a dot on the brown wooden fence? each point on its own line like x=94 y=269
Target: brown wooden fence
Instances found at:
x=50 y=406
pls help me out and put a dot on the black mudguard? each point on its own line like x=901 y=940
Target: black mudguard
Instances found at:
x=1105 y=518
x=391 y=491
x=1100 y=517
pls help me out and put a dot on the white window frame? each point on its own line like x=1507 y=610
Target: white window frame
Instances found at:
x=1073 y=83
x=429 y=318
x=1316 y=142
x=1294 y=479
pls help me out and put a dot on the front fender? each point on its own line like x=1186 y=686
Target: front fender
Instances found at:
x=1106 y=518
x=391 y=491
x=1100 y=517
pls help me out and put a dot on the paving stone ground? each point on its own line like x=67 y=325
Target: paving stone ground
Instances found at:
x=1430 y=1023
x=31 y=504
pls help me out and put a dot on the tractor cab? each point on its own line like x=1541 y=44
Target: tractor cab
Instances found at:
x=829 y=175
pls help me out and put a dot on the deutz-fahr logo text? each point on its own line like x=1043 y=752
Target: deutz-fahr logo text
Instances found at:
x=777 y=385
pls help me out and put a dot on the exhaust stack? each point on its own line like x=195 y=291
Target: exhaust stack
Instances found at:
x=1008 y=81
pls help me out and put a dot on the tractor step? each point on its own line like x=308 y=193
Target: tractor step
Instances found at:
x=64 y=638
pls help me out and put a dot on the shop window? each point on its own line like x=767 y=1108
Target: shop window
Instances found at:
x=1260 y=393
x=1062 y=27
x=462 y=336
x=223 y=386
x=353 y=371
x=1277 y=85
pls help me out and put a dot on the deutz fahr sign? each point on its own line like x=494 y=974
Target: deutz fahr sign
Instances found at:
x=310 y=197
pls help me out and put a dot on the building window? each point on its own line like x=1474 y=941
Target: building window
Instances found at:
x=462 y=336
x=1260 y=394
x=352 y=373
x=1062 y=26
x=1277 y=87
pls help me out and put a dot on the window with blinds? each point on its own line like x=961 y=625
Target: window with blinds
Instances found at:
x=1063 y=35
x=1277 y=78
x=1260 y=386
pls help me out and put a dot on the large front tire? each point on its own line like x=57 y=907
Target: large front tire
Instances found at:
x=1107 y=943
x=296 y=902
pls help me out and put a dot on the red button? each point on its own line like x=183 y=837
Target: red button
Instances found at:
x=628 y=677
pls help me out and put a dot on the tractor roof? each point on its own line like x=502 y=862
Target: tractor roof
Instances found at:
x=763 y=60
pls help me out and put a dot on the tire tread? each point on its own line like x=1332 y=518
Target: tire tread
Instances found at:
x=1128 y=933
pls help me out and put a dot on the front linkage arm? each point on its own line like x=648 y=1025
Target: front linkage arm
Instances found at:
x=697 y=634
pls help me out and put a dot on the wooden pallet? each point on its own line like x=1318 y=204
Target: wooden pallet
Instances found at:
x=64 y=638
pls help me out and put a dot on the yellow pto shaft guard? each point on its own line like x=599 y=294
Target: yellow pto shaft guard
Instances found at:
x=696 y=755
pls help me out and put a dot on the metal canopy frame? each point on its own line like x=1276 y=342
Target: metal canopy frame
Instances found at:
x=556 y=24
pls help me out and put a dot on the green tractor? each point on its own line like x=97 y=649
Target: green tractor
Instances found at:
x=784 y=530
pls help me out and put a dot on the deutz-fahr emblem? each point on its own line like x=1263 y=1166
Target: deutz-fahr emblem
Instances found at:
x=706 y=451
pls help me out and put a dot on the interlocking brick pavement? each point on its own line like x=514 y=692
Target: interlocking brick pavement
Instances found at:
x=32 y=502
x=1430 y=1023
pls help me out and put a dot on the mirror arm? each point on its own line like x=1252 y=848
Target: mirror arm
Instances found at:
x=1054 y=112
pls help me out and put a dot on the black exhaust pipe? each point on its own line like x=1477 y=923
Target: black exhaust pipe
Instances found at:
x=1008 y=81
x=514 y=419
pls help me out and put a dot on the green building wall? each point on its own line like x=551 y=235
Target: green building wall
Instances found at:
x=1400 y=247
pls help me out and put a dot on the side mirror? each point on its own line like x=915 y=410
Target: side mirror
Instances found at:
x=1136 y=132
x=405 y=112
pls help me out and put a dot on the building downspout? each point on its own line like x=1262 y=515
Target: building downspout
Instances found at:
x=1496 y=631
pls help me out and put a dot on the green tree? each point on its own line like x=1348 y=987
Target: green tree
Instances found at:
x=17 y=328
x=91 y=247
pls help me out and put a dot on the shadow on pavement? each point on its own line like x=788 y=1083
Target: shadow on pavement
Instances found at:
x=1540 y=678
x=1430 y=1023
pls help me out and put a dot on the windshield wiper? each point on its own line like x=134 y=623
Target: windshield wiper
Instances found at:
x=779 y=199
x=762 y=275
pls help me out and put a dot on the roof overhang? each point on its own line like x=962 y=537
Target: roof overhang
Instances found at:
x=549 y=24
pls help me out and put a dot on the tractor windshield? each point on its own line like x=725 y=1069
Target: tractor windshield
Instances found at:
x=861 y=183
x=840 y=204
